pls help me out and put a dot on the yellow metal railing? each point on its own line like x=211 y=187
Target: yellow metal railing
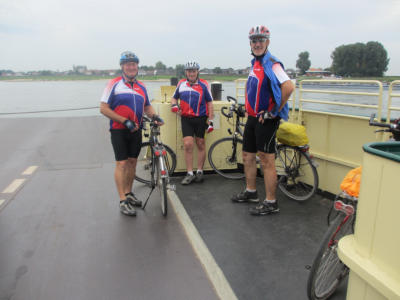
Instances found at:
x=336 y=139
x=390 y=96
x=240 y=88
x=341 y=83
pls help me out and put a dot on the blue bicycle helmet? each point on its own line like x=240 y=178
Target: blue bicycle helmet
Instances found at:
x=128 y=56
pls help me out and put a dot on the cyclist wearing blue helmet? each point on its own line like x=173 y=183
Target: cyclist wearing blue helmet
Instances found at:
x=195 y=106
x=124 y=102
x=268 y=89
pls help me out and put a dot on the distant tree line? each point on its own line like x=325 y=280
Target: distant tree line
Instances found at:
x=358 y=60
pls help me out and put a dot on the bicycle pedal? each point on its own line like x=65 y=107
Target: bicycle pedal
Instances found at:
x=172 y=187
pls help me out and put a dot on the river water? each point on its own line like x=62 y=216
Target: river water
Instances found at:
x=81 y=98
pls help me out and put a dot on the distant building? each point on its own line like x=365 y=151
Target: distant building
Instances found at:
x=206 y=71
x=79 y=69
x=317 y=72
x=291 y=73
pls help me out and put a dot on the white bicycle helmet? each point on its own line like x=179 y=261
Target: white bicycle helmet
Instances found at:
x=192 y=65
x=259 y=31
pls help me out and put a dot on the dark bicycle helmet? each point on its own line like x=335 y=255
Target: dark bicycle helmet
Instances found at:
x=128 y=56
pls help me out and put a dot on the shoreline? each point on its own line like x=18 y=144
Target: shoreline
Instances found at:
x=385 y=79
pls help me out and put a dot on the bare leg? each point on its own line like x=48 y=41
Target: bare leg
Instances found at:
x=250 y=169
x=188 y=147
x=201 y=153
x=130 y=174
x=120 y=177
x=270 y=177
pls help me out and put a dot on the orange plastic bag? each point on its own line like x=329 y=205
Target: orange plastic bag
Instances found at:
x=351 y=182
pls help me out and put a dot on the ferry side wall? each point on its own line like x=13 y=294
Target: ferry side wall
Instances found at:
x=335 y=140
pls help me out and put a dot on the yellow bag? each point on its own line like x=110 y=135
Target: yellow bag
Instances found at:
x=292 y=134
x=351 y=182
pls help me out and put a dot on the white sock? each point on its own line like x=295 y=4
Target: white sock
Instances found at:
x=251 y=191
x=199 y=171
x=269 y=201
x=190 y=173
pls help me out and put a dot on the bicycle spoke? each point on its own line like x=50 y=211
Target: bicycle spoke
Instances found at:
x=328 y=270
x=225 y=157
x=298 y=177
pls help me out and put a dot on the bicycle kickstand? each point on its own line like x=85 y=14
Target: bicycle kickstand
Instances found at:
x=145 y=202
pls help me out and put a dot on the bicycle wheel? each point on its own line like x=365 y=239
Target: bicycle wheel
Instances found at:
x=327 y=270
x=162 y=186
x=298 y=178
x=143 y=166
x=225 y=157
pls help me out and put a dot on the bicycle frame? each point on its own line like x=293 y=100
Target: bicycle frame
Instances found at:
x=233 y=109
x=158 y=154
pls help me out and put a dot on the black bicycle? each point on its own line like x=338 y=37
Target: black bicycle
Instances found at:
x=327 y=271
x=296 y=169
x=156 y=163
x=225 y=155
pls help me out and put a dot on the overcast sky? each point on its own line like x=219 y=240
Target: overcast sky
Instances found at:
x=56 y=34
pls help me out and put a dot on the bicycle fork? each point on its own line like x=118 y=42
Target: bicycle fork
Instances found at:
x=348 y=210
x=161 y=155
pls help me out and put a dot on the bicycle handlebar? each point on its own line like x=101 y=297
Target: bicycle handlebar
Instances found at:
x=146 y=119
x=229 y=115
x=234 y=108
x=153 y=126
x=391 y=126
x=394 y=128
x=229 y=98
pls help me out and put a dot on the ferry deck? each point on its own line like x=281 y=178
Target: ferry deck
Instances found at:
x=62 y=235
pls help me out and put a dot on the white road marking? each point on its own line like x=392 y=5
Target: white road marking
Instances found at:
x=1 y=202
x=214 y=272
x=30 y=170
x=13 y=186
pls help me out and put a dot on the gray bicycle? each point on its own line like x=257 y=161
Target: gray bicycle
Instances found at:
x=156 y=163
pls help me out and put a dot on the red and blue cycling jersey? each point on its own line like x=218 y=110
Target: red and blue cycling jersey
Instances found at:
x=193 y=98
x=259 y=95
x=126 y=99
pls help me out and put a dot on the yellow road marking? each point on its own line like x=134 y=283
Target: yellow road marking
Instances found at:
x=13 y=186
x=30 y=170
x=2 y=201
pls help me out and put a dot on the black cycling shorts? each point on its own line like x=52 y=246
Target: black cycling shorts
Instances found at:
x=194 y=126
x=125 y=143
x=260 y=137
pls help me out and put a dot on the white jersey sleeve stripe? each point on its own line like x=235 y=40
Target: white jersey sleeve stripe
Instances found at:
x=280 y=73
